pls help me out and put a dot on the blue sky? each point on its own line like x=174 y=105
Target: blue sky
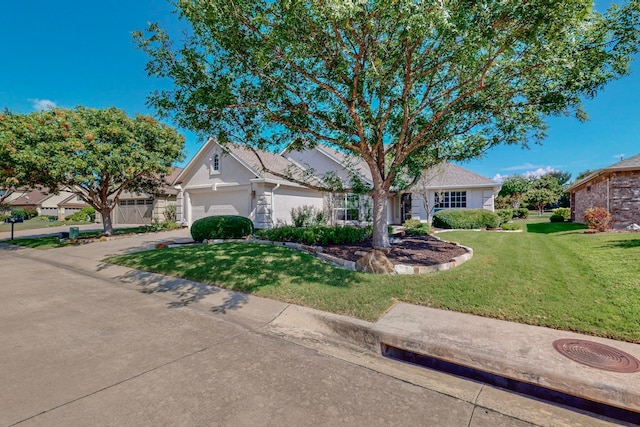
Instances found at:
x=72 y=52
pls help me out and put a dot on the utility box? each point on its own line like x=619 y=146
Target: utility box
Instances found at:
x=74 y=232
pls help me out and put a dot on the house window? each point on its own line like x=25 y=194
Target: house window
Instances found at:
x=451 y=199
x=347 y=207
x=216 y=163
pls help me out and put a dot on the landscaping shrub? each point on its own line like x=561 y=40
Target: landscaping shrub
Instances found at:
x=221 y=227
x=465 y=218
x=307 y=216
x=171 y=213
x=597 y=219
x=25 y=214
x=522 y=213
x=318 y=235
x=556 y=218
x=505 y=215
x=511 y=226
x=416 y=228
x=565 y=212
x=84 y=214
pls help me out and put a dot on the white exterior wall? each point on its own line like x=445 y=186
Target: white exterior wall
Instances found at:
x=320 y=163
x=287 y=198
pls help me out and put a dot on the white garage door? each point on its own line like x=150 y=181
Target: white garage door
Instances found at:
x=219 y=203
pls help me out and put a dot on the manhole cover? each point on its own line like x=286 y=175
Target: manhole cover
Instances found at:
x=597 y=355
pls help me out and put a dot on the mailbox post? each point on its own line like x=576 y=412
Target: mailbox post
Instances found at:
x=12 y=221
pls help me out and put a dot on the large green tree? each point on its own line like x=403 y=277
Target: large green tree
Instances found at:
x=514 y=188
x=96 y=153
x=397 y=83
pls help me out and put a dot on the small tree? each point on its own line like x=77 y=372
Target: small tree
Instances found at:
x=539 y=198
x=96 y=154
x=514 y=188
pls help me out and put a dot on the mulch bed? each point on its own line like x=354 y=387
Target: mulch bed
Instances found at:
x=411 y=250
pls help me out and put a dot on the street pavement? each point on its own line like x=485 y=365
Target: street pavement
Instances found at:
x=88 y=343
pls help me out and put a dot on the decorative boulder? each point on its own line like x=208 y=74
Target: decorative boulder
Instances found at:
x=161 y=246
x=375 y=262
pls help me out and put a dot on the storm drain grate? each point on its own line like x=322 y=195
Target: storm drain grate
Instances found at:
x=597 y=355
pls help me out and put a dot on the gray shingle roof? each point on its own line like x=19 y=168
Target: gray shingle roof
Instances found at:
x=272 y=162
x=626 y=164
x=450 y=175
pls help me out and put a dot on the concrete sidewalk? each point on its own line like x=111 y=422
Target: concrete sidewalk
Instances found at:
x=515 y=351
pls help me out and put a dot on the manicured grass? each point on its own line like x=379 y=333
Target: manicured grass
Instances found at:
x=551 y=275
x=37 y=223
x=50 y=242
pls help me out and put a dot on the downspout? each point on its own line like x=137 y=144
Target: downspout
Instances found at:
x=273 y=210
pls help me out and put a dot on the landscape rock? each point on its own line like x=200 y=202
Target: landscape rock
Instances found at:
x=161 y=246
x=633 y=227
x=375 y=262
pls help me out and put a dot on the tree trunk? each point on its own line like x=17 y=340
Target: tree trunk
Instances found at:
x=106 y=221
x=380 y=233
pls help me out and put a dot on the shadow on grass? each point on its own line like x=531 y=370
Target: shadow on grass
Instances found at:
x=554 y=227
x=624 y=244
x=244 y=267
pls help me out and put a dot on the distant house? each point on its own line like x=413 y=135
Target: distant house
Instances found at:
x=231 y=180
x=135 y=208
x=59 y=205
x=615 y=188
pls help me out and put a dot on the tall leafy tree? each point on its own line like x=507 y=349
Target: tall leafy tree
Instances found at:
x=97 y=154
x=401 y=84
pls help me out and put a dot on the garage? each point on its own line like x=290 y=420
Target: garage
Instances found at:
x=133 y=211
x=219 y=203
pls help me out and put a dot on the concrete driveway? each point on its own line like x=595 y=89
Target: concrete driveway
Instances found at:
x=78 y=348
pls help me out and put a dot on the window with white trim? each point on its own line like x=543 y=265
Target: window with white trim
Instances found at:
x=216 y=163
x=451 y=199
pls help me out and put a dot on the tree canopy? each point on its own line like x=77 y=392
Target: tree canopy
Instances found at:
x=97 y=154
x=403 y=84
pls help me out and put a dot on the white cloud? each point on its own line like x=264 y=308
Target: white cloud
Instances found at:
x=498 y=178
x=521 y=167
x=42 y=104
x=538 y=172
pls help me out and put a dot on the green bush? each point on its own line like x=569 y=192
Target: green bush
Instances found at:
x=43 y=218
x=318 y=235
x=556 y=218
x=465 y=219
x=416 y=228
x=25 y=214
x=522 y=213
x=511 y=226
x=171 y=213
x=564 y=212
x=85 y=214
x=221 y=227
x=307 y=216
x=505 y=215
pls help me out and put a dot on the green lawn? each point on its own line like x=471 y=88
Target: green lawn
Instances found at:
x=552 y=275
x=37 y=223
x=51 y=242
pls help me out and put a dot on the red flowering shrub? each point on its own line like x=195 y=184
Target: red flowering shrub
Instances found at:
x=597 y=219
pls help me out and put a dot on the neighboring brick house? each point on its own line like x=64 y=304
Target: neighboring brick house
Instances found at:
x=615 y=188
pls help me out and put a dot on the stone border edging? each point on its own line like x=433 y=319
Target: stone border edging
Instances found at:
x=351 y=265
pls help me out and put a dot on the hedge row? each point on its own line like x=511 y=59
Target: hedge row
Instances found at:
x=465 y=219
x=318 y=235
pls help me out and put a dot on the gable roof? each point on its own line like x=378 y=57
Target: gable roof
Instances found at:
x=30 y=198
x=630 y=164
x=353 y=163
x=449 y=175
x=249 y=160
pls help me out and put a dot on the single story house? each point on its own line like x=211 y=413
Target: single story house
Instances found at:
x=59 y=205
x=615 y=188
x=231 y=179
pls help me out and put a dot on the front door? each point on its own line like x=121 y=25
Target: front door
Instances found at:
x=405 y=207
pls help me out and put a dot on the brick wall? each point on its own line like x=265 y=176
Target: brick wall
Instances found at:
x=624 y=198
x=590 y=196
